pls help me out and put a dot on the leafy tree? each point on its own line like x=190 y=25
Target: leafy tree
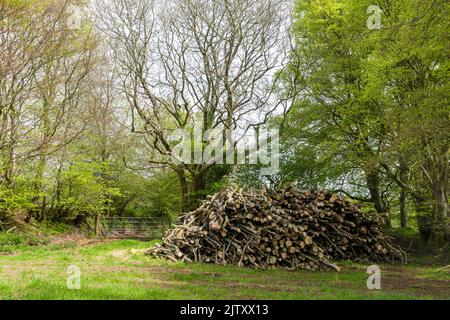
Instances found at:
x=335 y=127
x=372 y=115
x=409 y=69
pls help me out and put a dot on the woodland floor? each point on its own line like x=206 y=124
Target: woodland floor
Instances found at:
x=119 y=270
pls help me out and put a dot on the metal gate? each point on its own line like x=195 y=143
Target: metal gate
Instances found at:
x=133 y=227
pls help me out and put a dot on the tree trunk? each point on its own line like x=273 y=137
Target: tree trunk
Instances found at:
x=373 y=184
x=190 y=189
x=424 y=217
x=435 y=200
x=441 y=230
x=403 y=192
x=97 y=225
x=431 y=221
x=9 y=157
x=198 y=184
x=184 y=189
x=441 y=202
x=38 y=188
x=403 y=212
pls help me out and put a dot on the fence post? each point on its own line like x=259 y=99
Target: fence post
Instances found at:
x=97 y=225
x=164 y=227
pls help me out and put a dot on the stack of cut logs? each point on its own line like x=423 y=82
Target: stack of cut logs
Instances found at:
x=282 y=228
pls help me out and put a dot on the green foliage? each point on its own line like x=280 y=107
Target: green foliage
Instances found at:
x=370 y=102
x=87 y=189
x=9 y=242
x=332 y=127
x=158 y=196
x=18 y=197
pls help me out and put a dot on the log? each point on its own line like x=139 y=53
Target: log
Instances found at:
x=288 y=228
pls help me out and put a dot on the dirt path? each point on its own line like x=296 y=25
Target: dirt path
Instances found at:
x=77 y=238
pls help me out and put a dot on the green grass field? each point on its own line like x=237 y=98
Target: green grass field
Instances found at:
x=120 y=270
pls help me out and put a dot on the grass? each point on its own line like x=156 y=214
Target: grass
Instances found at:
x=10 y=242
x=121 y=270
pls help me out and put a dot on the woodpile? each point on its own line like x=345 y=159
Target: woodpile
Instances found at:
x=283 y=228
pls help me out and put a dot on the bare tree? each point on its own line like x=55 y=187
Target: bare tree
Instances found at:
x=43 y=64
x=195 y=60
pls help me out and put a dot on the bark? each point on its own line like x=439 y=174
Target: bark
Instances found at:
x=403 y=192
x=56 y=197
x=184 y=190
x=191 y=190
x=198 y=184
x=9 y=156
x=424 y=217
x=403 y=210
x=97 y=224
x=373 y=184
x=432 y=222
x=434 y=202
x=441 y=202
x=39 y=203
